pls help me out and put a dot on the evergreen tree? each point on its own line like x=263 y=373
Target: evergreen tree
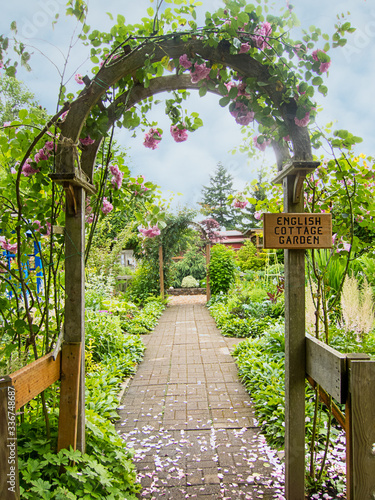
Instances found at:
x=246 y=215
x=215 y=198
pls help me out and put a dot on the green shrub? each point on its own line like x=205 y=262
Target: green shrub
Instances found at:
x=247 y=257
x=145 y=284
x=222 y=269
x=193 y=264
x=189 y=282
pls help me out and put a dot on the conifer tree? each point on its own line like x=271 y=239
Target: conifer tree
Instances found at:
x=215 y=198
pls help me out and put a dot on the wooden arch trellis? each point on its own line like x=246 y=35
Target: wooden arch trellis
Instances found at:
x=76 y=175
x=75 y=172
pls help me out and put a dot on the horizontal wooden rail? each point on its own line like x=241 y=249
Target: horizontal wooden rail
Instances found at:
x=34 y=378
x=327 y=367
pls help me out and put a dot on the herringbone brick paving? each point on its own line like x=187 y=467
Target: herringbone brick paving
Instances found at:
x=189 y=418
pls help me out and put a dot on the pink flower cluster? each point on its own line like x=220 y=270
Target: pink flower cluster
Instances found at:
x=117 y=176
x=27 y=169
x=107 y=206
x=198 y=73
x=303 y=122
x=152 y=138
x=179 y=134
x=258 y=215
x=262 y=34
x=150 y=232
x=240 y=202
x=9 y=247
x=324 y=66
x=242 y=114
x=261 y=146
x=86 y=141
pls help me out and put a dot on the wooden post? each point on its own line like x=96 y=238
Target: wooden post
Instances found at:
x=208 y=288
x=161 y=271
x=294 y=261
x=360 y=429
x=9 y=481
x=69 y=395
x=75 y=297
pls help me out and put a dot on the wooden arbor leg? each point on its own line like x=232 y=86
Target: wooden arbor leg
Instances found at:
x=74 y=318
x=294 y=359
x=208 y=255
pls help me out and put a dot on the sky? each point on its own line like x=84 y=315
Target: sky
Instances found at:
x=185 y=167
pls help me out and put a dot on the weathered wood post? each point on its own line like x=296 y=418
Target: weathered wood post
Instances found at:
x=9 y=481
x=292 y=177
x=161 y=271
x=72 y=410
x=208 y=255
x=360 y=428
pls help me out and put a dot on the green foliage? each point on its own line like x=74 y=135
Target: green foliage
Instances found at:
x=248 y=259
x=104 y=471
x=189 y=282
x=261 y=367
x=222 y=269
x=144 y=284
x=193 y=264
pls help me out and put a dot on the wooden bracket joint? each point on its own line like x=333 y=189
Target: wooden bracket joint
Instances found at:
x=298 y=185
x=70 y=198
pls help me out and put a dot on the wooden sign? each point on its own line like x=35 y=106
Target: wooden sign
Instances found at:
x=297 y=231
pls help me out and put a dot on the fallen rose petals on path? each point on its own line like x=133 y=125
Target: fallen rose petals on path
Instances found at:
x=188 y=418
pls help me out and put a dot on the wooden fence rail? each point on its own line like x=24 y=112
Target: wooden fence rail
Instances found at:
x=20 y=387
x=350 y=379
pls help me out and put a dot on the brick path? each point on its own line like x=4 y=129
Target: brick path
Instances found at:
x=190 y=420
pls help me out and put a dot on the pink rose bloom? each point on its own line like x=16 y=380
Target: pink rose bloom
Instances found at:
x=28 y=170
x=347 y=247
x=86 y=141
x=323 y=65
x=49 y=145
x=200 y=73
x=152 y=138
x=107 y=206
x=242 y=114
x=9 y=247
x=257 y=215
x=79 y=79
x=245 y=47
x=261 y=146
x=151 y=232
x=179 y=134
x=261 y=36
x=117 y=176
x=239 y=204
x=304 y=121
x=185 y=62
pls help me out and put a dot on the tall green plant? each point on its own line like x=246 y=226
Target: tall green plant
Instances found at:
x=222 y=269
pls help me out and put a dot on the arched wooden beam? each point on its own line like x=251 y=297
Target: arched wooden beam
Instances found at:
x=137 y=94
x=174 y=47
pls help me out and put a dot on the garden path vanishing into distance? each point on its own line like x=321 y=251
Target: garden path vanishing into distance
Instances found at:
x=190 y=420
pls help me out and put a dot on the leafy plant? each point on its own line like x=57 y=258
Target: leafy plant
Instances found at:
x=222 y=269
x=189 y=282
